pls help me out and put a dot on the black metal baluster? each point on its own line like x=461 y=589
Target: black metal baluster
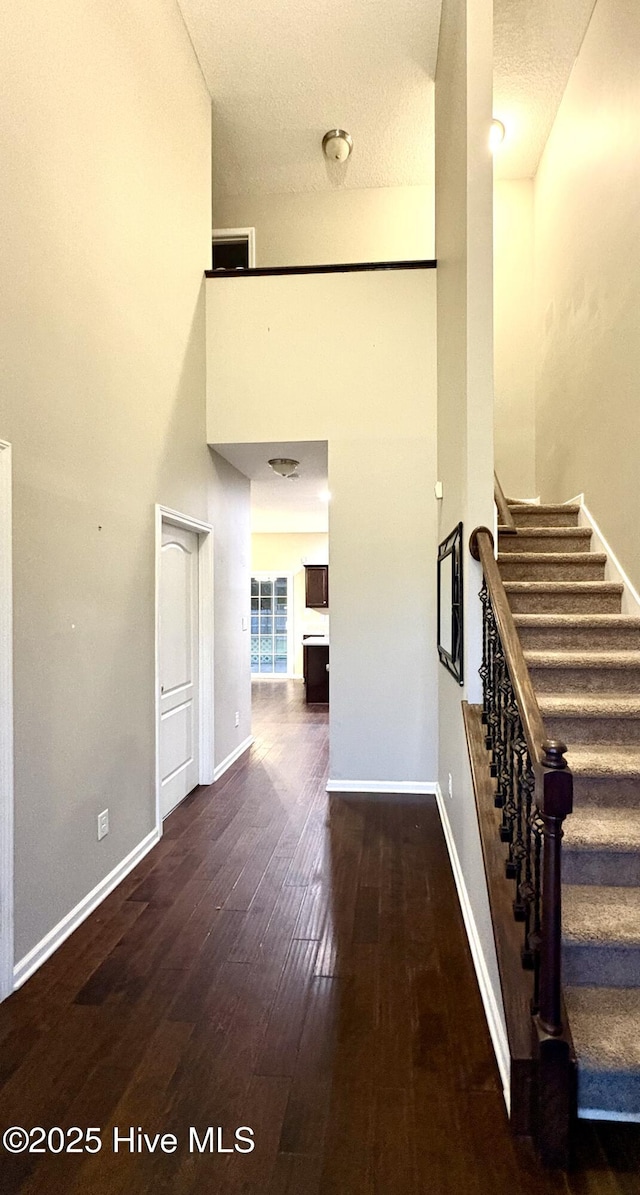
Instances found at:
x=492 y=640
x=518 y=849
x=510 y=808
x=484 y=669
x=498 y=737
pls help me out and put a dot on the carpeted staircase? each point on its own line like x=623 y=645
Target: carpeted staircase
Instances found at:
x=584 y=660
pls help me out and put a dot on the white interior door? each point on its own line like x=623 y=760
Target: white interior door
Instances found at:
x=179 y=643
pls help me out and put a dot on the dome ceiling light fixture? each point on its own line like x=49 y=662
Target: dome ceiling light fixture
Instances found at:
x=285 y=466
x=337 y=145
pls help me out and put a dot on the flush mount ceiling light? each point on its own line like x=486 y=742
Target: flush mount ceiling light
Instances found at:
x=496 y=135
x=337 y=145
x=285 y=466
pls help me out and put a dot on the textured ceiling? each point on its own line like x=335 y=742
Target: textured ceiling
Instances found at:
x=277 y=503
x=282 y=72
x=535 y=46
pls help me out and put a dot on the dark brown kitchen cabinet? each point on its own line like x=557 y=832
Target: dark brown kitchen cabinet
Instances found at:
x=316 y=586
x=315 y=668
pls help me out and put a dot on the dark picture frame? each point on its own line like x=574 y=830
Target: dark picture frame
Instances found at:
x=450 y=604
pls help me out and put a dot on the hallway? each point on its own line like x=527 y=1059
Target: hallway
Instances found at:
x=284 y=961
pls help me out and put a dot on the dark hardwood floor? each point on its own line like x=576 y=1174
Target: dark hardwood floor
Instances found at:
x=289 y=962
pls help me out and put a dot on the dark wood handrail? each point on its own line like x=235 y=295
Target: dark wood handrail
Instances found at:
x=543 y=751
x=505 y=518
x=547 y=782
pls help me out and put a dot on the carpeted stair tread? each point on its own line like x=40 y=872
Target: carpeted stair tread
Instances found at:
x=562 y=631
x=528 y=515
x=601 y=916
x=601 y=935
x=557 y=658
x=577 y=558
x=552 y=540
x=590 y=705
x=554 y=630
x=588 y=621
x=595 y=828
x=568 y=533
x=563 y=587
x=602 y=846
x=605 y=1026
x=609 y=761
x=552 y=566
x=543 y=507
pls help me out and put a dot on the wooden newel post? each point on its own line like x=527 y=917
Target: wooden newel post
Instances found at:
x=554 y=800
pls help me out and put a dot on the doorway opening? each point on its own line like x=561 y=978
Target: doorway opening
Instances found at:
x=289 y=552
x=184 y=658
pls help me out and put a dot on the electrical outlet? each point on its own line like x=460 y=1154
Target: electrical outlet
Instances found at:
x=103 y=824
x=237 y=721
x=450 y=785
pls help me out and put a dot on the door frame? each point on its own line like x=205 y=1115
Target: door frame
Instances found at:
x=266 y=574
x=166 y=517
x=6 y=727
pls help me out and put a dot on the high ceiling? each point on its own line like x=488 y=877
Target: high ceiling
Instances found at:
x=535 y=47
x=282 y=72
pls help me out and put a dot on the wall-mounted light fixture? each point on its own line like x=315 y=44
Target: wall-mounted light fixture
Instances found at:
x=496 y=135
x=337 y=145
x=285 y=466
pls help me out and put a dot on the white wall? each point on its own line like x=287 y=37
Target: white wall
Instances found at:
x=588 y=284
x=514 y=357
x=350 y=358
x=284 y=552
x=106 y=230
x=230 y=513
x=465 y=402
x=327 y=227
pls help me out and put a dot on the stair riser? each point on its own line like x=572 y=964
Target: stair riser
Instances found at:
x=585 y=680
x=576 y=730
x=564 y=603
x=551 y=570
x=615 y=869
x=573 y=638
x=539 y=517
x=590 y=964
x=543 y=543
x=609 y=791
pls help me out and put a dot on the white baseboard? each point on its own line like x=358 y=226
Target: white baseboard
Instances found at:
x=391 y=787
x=605 y=1114
x=613 y=570
x=494 y=1020
x=231 y=758
x=56 y=936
